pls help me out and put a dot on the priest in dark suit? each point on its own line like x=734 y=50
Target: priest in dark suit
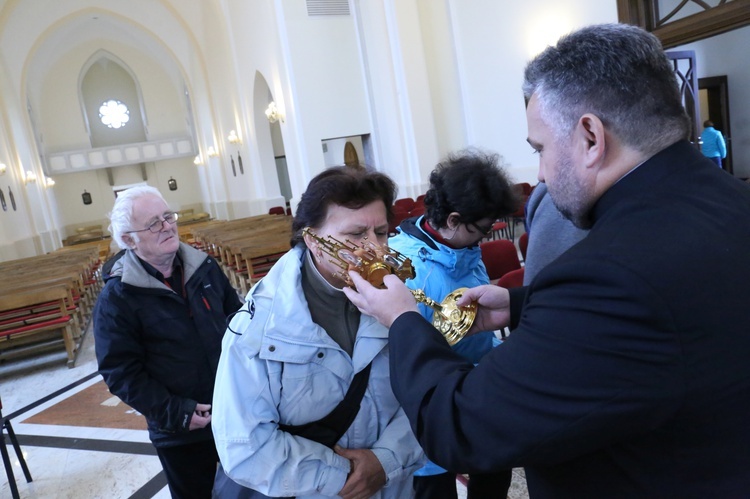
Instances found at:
x=626 y=374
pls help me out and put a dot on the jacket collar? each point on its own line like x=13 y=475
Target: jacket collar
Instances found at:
x=673 y=160
x=131 y=272
x=455 y=261
x=289 y=321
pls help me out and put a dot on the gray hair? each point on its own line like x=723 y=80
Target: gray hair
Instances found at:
x=122 y=212
x=618 y=73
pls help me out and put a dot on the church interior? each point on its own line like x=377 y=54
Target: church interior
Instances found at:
x=229 y=108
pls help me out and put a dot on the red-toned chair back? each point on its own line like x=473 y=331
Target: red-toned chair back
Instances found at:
x=405 y=203
x=417 y=211
x=276 y=210
x=513 y=279
x=399 y=215
x=500 y=257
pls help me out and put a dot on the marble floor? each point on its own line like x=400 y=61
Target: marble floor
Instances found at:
x=79 y=462
x=72 y=462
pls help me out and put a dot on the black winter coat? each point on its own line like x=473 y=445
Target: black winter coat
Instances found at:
x=158 y=351
x=627 y=373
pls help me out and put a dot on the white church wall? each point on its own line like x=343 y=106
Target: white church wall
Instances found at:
x=392 y=53
x=493 y=42
x=59 y=104
x=19 y=235
x=726 y=54
x=329 y=92
x=231 y=37
x=443 y=72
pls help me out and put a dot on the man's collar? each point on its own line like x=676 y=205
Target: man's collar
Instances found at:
x=153 y=272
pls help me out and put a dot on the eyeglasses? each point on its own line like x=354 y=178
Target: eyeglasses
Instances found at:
x=485 y=231
x=156 y=225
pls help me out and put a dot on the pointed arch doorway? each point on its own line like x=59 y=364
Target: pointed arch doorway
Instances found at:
x=271 y=148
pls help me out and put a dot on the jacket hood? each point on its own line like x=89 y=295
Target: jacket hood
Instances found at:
x=129 y=269
x=414 y=242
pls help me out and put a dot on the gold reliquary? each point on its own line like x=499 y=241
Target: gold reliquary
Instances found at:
x=373 y=262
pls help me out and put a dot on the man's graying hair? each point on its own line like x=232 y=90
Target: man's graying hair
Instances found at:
x=122 y=212
x=618 y=73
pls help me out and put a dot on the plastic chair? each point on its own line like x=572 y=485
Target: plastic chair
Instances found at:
x=500 y=257
x=513 y=279
x=277 y=210
x=6 y=457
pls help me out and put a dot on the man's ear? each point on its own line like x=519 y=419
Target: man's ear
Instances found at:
x=128 y=240
x=591 y=139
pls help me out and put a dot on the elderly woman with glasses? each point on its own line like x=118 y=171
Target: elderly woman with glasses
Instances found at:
x=468 y=192
x=158 y=326
x=286 y=420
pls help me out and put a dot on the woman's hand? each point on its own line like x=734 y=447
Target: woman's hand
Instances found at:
x=366 y=476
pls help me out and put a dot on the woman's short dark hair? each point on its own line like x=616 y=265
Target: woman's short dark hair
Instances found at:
x=352 y=188
x=472 y=183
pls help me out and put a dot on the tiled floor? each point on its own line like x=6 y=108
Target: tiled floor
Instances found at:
x=75 y=462
x=72 y=462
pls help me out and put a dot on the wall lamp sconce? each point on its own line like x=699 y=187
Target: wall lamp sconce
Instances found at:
x=3 y=167
x=172 y=183
x=212 y=153
x=273 y=114
x=198 y=161
x=48 y=182
x=29 y=177
x=233 y=138
x=86 y=197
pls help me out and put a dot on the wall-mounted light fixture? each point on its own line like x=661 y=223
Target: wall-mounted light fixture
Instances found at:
x=86 y=197
x=172 y=183
x=273 y=114
x=233 y=138
x=198 y=160
x=3 y=167
x=48 y=182
x=29 y=177
x=212 y=153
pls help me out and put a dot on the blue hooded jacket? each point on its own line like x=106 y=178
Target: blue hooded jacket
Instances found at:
x=440 y=270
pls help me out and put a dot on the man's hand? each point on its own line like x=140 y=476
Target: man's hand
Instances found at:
x=493 y=311
x=383 y=304
x=366 y=476
x=201 y=417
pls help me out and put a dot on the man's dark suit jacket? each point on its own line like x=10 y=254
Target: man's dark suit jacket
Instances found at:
x=628 y=371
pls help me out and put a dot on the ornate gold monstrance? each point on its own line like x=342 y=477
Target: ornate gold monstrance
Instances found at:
x=373 y=262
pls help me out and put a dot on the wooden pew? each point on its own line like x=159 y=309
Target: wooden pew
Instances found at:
x=74 y=269
x=78 y=267
x=247 y=247
x=44 y=316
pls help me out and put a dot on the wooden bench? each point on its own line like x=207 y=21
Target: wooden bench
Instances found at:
x=248 y=247
x=79 y=267
x=35 y=325
x=33 y=317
